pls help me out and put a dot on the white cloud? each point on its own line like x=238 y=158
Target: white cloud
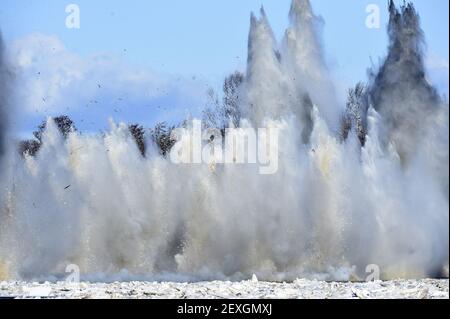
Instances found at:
x=51 y=80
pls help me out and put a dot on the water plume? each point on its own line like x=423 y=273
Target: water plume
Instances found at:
x=4 y=116
x=333 y=207
x=399 y=90
x=3 y=97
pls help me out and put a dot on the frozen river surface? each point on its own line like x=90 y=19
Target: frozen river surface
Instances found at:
x=299 y=289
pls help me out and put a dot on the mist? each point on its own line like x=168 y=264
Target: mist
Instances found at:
x=334 y=207
x=3 y=98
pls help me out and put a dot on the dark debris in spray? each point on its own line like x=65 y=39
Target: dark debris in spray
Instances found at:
x=400 y=92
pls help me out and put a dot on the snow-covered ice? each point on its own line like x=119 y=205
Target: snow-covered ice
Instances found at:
x=299 y=289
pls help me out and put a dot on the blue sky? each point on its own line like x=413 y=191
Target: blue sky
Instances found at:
x=201 y=41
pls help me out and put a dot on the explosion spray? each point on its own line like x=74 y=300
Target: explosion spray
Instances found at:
x=333 y=207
